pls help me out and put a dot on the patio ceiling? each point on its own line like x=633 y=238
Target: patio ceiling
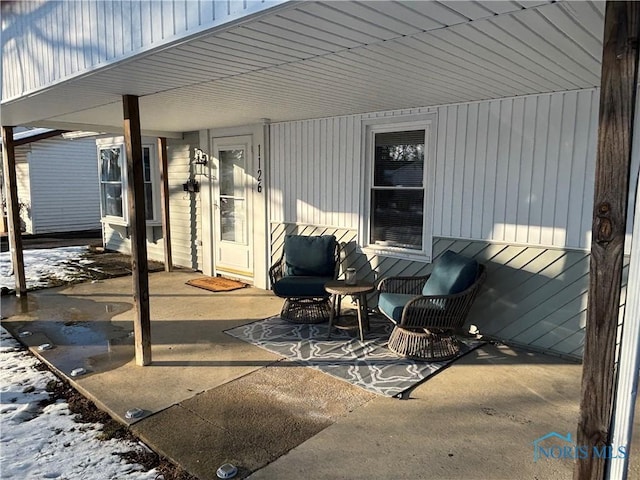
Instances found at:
x=316 y=59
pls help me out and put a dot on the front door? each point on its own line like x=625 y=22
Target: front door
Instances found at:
x=232 y=206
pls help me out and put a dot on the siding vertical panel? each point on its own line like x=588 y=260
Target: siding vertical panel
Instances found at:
x=179 y=16
x=93 y=33
x=305 y=165
x=355 y=170
x=551 y=170
x=342 y=172
x=439 y=162
x=469 y=171
x=207 y=13
x=565 y=159
x=448 y=170
x=334 y=141
x=136 y=26
x=147 y=22
x=539 y=170
x=458 y=170
x=502 y=169
x=488 y=202
x=110 y=40
x=590 y=173
x=526 y=170
x=579 y=167
x=513 y=177
x=479 y=184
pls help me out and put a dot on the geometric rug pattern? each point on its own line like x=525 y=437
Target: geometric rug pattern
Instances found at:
x=369 y=364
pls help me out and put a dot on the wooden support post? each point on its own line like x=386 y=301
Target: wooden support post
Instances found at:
x=617 y=105
x=13 y=209
x=138 y=229
x=164 y=180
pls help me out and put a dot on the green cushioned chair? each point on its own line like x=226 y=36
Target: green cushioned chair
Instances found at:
x=428 y=310
x=307 y=263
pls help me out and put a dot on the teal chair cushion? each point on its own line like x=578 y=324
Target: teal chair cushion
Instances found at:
x=392 y=304
x=452 y=273
x=301 y=286
x=310 y=255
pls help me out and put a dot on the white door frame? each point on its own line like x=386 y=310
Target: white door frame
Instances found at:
x=257 y=168
x=233 y=257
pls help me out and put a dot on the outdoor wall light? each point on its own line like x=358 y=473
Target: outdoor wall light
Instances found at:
x=200 y=160
x=191 y=186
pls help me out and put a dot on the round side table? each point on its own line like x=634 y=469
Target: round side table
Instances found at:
x=359 y=290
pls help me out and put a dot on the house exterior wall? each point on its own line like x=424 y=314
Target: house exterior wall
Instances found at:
x=64 y=185
x=185 y=214
x=76 y=37
x=512 y=186
x=516 y=170
x=24 y=188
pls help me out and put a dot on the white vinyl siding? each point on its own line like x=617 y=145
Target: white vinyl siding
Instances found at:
x=64 y=185
x=60 y=39
x=517 y=170
x=24 y=188
x=185 y=214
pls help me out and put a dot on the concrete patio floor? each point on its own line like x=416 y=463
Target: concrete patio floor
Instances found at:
x=209 y=398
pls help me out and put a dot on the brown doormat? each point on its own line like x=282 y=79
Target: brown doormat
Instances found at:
x=216 y=284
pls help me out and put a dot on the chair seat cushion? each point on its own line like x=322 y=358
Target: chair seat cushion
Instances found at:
x=452 y=273
x=392 y=304
x=310 y=255
x=301 y=286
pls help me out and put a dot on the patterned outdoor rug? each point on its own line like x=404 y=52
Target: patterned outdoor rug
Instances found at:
x=216 y=284
x=369 y=364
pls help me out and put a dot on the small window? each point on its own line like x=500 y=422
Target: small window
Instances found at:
x=148 y=183
x=397 y=220
x=113 y=181
x=397 y=195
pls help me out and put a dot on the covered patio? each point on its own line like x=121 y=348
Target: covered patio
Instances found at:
x=258 y=69
x=210 y=398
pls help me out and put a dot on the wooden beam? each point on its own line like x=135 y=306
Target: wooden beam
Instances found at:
x=40 y=136
x=138 y=229
x=13 y=209
x=164 y=180
x=617 y=105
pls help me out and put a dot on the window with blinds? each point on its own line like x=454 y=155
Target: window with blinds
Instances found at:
x=398 y=189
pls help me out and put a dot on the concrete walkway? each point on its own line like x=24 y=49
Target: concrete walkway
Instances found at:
x=209 y=398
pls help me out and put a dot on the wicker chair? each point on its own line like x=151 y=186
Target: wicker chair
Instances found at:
x=306 y=264
x=429 y=310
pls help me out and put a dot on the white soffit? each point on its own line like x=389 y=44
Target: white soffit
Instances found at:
x=320 y=59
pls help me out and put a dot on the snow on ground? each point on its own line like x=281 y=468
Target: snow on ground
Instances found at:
x=36 y=442
x=42 y=265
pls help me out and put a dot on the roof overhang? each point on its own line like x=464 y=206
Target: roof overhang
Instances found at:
x=319 y=59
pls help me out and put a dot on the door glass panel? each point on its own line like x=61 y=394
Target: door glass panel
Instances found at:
x=233 y=220
x=232 y=173
x=233 y=223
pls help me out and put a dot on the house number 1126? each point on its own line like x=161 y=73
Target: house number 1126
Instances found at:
x=259 y=171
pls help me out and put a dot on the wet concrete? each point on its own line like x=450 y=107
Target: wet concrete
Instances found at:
x=209 y=398
x=89 y=326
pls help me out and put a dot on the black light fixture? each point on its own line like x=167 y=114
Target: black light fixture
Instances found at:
x=200 y=160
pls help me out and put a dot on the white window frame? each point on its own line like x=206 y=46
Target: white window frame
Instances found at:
x=382 y=125
x=155 y=181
